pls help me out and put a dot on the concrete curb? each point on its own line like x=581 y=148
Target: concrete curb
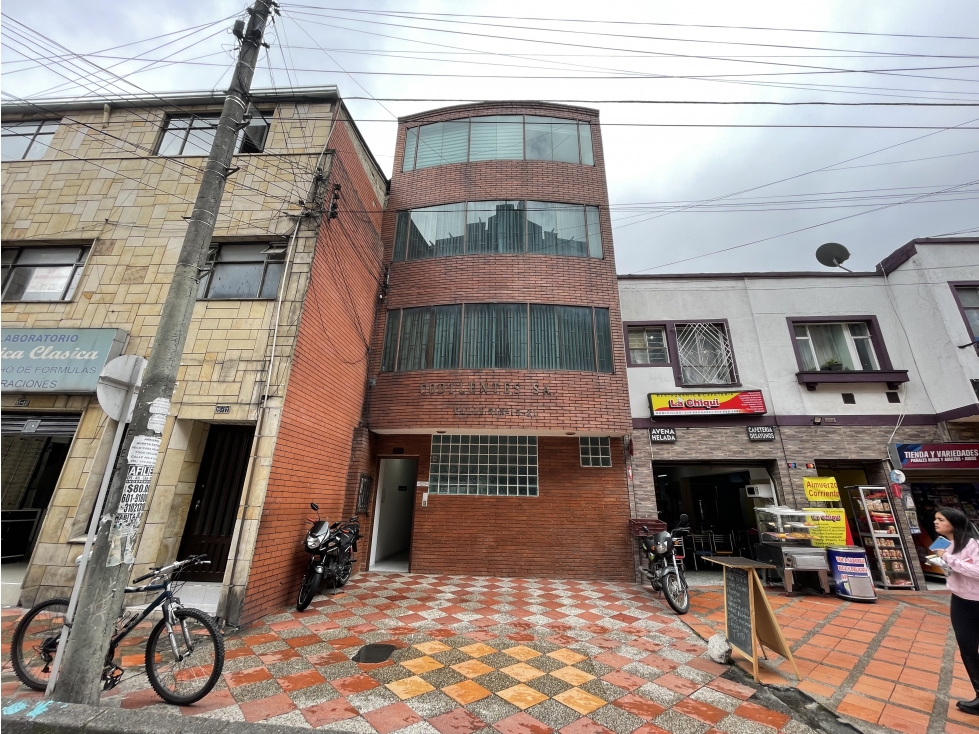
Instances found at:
x=52 y=717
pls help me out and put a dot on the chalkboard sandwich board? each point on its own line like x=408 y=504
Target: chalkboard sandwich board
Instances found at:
x=750 y=621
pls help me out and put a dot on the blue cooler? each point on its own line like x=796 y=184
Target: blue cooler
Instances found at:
x=851 y=573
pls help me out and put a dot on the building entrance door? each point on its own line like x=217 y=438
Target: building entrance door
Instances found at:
x=214 y=506
x=393 y=509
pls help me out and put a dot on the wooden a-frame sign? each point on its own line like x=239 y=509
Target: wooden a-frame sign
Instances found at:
x=750 y=622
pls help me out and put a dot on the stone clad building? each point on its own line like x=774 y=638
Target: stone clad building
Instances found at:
x=95 y=197
x=741 y=384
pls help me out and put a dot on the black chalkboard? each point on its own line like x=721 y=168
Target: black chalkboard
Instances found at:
x=737 y=600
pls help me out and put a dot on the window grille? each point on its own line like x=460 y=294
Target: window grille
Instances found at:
x=484 y=465
x=595 y=451
x=705 y=354
x=364 y=494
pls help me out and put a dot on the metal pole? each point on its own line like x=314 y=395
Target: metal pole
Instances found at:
x=113 y=553
x=127 y=405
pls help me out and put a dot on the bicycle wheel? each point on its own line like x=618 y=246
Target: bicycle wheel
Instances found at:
x=35 y=642
x=192 y=673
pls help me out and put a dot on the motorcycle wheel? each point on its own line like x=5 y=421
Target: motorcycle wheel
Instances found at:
x=346 y=568
x=675 y=591
x=308 y=589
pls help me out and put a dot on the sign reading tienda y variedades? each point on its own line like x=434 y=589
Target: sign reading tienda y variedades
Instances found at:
x=937 y=455
x=56 y=360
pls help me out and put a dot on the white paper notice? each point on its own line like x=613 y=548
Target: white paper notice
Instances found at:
x=159 y=410
x=144 y=450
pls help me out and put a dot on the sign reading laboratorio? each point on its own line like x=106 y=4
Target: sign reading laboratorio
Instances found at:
x=56 y=360
x=821 y=489
x=742 y=402
x=938 y=455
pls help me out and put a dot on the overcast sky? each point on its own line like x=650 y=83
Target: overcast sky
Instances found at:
x=658 y=159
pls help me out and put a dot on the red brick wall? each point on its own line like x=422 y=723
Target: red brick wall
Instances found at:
x=580 y=402
x=576 y=528
x=325 y=397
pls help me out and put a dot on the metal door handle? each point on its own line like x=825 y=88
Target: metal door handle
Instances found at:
x=197 y=505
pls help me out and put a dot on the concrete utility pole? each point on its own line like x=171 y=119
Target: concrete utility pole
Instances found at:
x=110 y=566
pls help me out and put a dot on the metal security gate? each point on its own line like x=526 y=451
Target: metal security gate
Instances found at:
x=34 y=449
x=214 y=506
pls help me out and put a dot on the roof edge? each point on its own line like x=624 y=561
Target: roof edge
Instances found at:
x=493 y=103
x=176 y=99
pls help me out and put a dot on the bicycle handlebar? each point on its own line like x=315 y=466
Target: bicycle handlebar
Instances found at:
x=176 y=566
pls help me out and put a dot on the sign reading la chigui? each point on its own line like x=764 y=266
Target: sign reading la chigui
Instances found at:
x=56 y=360
x=937 y=455
x=742 y=402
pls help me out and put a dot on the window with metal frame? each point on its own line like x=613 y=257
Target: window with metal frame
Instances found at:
x=498 y=336
x=647 y=345
x=969 y=299
x=194 y=134
x=46 y=273
x=364 y=494
x=484 y=465
x=498 y=137
x=26 y=140
x=705 y=354
x=243 y=271
x=498 y=227
x=595 y=450
x=836 y=347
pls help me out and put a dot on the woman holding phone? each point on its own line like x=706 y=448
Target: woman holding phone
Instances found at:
x=961 y=559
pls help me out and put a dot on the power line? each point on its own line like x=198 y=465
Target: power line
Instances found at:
x=811 y=226
x=649 y=23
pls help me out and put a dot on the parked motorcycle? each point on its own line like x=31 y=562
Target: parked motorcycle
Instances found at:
x=331 y=549
x=665 y=570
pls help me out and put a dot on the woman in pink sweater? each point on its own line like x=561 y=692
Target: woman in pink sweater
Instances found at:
x=962 y=561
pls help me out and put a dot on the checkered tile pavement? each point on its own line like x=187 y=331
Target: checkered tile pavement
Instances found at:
x=475 y=654
x=893 y=663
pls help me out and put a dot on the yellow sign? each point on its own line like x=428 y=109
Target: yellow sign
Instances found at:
x=821 y=489
x=829 y=529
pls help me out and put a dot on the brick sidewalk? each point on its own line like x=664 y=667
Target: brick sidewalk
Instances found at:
x=488 y=655
x=893 y=663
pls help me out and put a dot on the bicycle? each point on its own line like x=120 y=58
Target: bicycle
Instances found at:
x=184 y=651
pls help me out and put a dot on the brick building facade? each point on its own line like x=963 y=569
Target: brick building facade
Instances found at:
x=575 y=526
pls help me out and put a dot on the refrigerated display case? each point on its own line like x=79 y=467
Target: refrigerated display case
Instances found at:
x=881 y=537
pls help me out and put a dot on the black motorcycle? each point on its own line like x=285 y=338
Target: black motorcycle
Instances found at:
x=331 y=549
x=665 y=570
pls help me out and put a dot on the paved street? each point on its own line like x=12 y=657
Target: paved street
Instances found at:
x=893 y=663
x=503 y=656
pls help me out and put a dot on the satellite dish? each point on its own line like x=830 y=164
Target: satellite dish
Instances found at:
x=832 y=255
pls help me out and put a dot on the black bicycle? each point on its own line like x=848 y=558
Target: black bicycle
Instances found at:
x=184 y=652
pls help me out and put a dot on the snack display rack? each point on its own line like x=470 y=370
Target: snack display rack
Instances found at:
x=880 y=535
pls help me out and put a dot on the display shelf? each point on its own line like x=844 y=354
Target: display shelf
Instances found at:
x=878 y=534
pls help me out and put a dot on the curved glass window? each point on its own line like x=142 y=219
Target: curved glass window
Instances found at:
x=498 y=336
x=498 y=227
x=498 y=138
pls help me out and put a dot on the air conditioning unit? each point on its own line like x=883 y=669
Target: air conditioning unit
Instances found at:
x=760 y=491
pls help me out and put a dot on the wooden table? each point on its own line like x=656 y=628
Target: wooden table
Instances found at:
x=750 y=623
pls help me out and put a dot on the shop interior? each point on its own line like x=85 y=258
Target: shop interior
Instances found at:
x=720 y=500
x=928 y=496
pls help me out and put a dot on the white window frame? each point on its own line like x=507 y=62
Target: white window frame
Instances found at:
x=665 y=346
x=805 y=343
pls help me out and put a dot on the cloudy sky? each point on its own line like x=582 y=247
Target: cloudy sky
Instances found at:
x=693 y=186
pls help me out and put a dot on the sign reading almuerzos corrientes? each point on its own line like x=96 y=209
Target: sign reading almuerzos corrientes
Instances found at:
x=56 y=360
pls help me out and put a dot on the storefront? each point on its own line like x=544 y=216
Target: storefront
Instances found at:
x=49 y=378
x=938 y=475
